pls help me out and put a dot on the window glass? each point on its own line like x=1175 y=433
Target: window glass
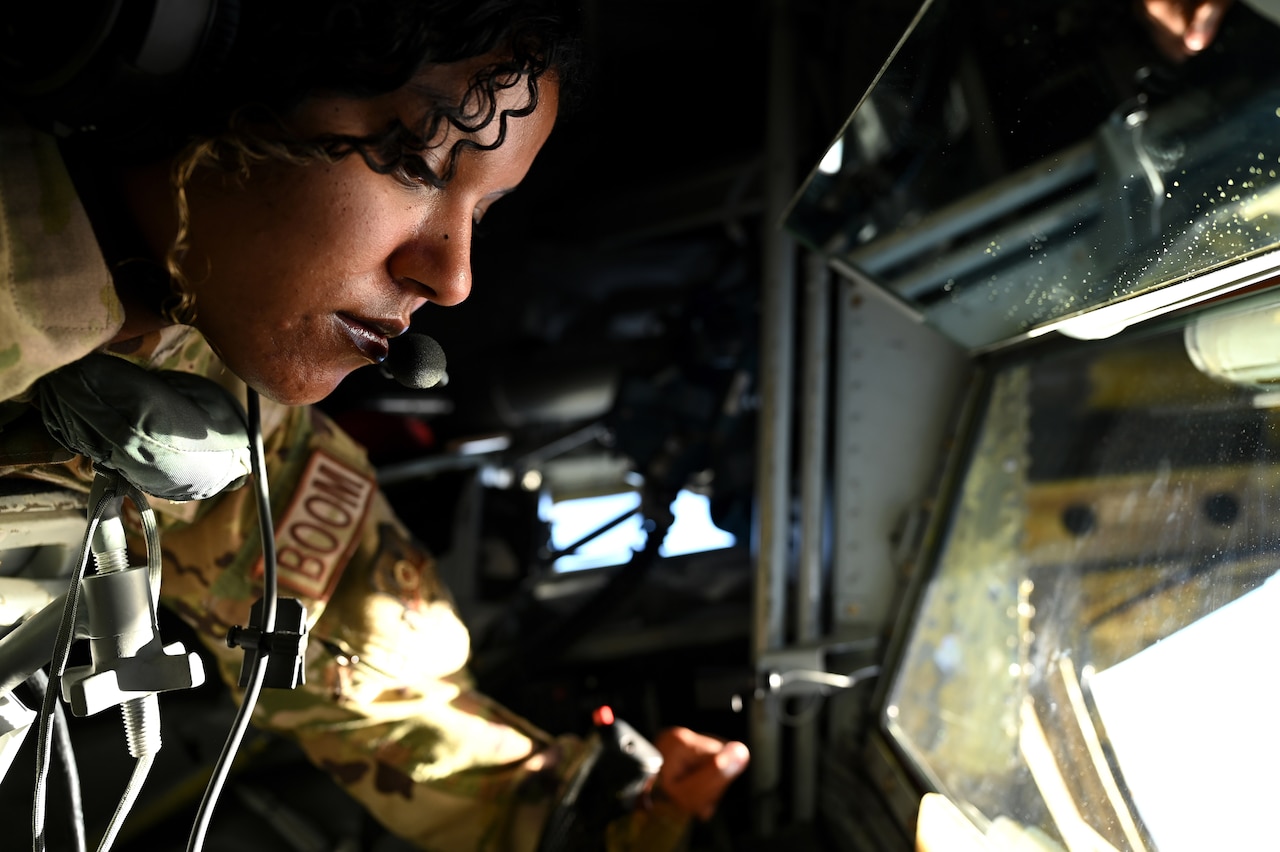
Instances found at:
x=1094 y=654
x=691 y=531
x=1018 y=165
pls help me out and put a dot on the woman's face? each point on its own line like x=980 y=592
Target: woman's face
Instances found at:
x=303 y=273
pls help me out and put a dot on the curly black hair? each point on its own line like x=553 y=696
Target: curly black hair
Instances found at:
x=286 y=51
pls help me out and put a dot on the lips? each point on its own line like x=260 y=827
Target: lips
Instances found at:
x=370 y=336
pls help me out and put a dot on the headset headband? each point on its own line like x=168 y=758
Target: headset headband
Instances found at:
x=85 y=65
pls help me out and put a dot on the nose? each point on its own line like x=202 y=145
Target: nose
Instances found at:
x=436 y=262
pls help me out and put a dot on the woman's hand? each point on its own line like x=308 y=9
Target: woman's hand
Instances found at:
x=696 y=769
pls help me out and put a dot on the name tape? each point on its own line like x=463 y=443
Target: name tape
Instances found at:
x=321 y=527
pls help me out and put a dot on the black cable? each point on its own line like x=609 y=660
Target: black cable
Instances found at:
x=71 y=774
x=259 y=465
x=241 y=722
x=39 y=683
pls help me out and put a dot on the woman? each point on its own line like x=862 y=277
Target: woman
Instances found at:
x=276 y=223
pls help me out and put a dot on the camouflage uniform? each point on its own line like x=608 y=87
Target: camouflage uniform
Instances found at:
x=388 y=709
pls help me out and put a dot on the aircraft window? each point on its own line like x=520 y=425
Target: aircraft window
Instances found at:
x=1021 y=165
x=1091 y=663
x=692 y=531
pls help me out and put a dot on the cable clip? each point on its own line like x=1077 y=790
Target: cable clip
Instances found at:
x=285 y=646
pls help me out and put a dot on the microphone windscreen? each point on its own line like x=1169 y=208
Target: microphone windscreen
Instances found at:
x=415 y=361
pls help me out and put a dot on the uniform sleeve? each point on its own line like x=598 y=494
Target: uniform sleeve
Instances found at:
x=57 y=301
x=388 y=709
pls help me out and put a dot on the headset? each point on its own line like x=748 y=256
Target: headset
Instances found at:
x=81 y=66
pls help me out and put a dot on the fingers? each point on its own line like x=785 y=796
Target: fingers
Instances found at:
x=1204 y=24
x=680 y=746
x=1183 y=28
x=697 y=769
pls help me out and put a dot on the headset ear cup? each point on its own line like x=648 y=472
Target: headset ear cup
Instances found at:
x=43 y=48
x=116 y=66
x=220 y=36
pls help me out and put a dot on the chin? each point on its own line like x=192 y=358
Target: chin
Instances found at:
x=301 y=391
x=290 y=378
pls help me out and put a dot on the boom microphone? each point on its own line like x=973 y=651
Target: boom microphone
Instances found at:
x=416 y=361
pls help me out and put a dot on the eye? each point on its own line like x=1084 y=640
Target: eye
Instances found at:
x=413 y=171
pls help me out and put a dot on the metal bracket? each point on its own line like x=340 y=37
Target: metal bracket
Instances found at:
x=797 y=672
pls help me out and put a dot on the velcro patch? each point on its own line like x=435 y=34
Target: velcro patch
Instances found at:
x=321 y=527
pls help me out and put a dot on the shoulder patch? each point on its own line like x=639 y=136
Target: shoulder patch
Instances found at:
x=321 y=527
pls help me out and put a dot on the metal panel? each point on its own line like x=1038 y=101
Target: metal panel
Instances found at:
x=897 y=384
